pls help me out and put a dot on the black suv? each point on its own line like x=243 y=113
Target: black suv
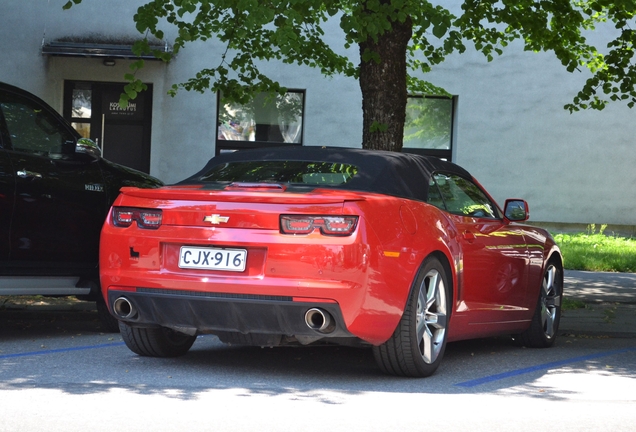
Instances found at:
x=55 y=192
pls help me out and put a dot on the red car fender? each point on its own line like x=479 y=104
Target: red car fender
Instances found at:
x=542 y=248
x=398 y=247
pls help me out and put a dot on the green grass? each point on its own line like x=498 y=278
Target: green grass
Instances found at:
x=596 y=251
x=571 y=304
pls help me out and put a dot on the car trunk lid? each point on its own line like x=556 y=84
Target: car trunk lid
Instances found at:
x=248 y=206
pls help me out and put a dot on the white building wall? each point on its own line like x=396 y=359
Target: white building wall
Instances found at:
x=515 y=136
x=512 y=131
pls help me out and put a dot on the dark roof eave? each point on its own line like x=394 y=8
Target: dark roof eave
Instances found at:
x=96 y=50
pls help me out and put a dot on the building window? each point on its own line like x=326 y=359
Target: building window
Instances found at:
x=268 y=120
x=81 y=107
x=428 y=128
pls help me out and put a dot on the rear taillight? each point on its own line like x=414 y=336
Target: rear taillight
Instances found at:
x=328 y=225
x=145 y=218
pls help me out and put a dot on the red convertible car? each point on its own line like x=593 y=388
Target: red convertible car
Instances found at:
x=302 y=245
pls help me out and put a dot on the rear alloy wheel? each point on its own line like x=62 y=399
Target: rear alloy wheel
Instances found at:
x=545 y=322
x=419 y=341
x=155 y=341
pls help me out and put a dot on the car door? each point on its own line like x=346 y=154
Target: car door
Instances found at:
x=494 y=253
x=7 y=185
x=60 y=201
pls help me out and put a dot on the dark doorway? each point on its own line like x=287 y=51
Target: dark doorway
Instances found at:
x=122 y=134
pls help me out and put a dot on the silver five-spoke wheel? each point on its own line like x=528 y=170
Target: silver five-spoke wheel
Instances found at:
x=431 y=316
x=550 y=302
x=545 y=322
x=418 y=343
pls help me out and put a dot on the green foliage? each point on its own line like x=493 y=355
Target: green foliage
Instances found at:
x=595 y=251
x=70 y=3
x=134 y=86
x=292 y=31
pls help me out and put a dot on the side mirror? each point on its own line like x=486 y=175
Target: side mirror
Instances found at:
x=88 y=147
x=516 y=210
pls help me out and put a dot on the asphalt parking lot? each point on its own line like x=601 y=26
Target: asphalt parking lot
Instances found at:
x=60 y=371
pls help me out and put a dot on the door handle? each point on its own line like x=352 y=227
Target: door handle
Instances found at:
x=28 y=174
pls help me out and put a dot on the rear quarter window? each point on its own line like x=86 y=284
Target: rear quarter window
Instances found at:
x=293 y=172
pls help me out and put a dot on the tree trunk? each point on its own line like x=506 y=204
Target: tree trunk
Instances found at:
x=383 y=88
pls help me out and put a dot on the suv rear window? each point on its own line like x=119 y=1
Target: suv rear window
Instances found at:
x=293 y=172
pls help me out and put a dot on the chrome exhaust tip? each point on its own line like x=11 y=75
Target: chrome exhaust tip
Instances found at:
x=123 y=308
x=319 y=320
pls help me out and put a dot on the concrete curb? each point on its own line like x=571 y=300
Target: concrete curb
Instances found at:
x=58 y=306
x=610 y=304
x=600 y=319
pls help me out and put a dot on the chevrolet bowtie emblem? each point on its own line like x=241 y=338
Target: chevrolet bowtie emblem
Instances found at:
x=216 y=219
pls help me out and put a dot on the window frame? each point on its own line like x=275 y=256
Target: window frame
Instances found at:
x=90 y=121
x=446 y=154
x=222 y=145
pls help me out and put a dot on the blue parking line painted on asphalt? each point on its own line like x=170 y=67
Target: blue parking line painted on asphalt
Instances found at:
x=544 y=366
x=61 y=350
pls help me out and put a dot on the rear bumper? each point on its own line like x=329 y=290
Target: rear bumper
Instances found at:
x=200 y=313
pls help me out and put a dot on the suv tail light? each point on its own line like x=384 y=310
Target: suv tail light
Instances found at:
x=328 y=225
x=145 y=218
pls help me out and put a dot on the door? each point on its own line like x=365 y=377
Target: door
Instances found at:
x=494 y=254
x=60 y=202
x=495 y=269
x=123 y=134
x=7 y=196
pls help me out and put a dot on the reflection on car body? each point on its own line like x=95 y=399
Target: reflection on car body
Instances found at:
x=397 y=252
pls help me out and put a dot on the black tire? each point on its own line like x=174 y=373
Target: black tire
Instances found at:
x=419 y=341
x=108 y=322
x=155 y=341
x=544 y=327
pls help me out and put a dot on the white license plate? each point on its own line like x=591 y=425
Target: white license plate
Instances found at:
x=212 y=258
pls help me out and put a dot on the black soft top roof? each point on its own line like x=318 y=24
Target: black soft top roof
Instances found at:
x=398 y=174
